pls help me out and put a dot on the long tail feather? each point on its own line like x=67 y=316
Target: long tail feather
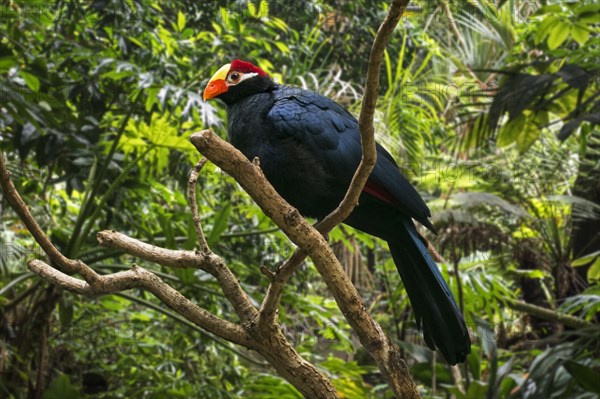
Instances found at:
x=433 y=304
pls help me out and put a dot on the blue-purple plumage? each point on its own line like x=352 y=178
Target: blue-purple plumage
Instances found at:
x=309 y=147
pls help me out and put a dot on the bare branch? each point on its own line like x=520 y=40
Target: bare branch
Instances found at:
x=370 y=333
x=549 y=314
x=369 y=158
x=365 y=120
x=207 y=261
x=103 y=284
x=251 y=178
x=19 y=206
x=268 y=339
x=267 y=273
x=432 y=251
x=142 y=278
x=167 y=257
x=270 y=304
x=291 y=366
x=271 y=343
x=194 y=204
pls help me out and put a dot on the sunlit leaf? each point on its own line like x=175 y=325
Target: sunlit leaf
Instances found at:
x=30 y=80
x=559 y=33
x=181 y=20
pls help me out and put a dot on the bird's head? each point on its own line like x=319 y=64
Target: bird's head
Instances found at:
x=236 y=80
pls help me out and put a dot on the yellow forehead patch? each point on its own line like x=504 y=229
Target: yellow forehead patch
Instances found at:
x=221 y=73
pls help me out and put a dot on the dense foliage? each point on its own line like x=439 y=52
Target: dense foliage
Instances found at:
x=491 y=107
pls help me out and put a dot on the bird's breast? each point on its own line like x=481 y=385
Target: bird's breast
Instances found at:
x=297 y=175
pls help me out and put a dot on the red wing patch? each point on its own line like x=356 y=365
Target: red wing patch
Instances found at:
x=378 y=192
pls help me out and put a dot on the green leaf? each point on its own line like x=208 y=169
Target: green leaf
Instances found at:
x=580 y=33
x=531 y=273
x=585 y=376
x=263 y=9
x=217 y=28
x=588 y=18
x=554 y=8
x=544 y=28
x=180 y=21
x=424 y=372
x=61 y=388
x=528 y=136
x=252 y=9
x=30 y=80
x=588 y=9
x=454 y=391
x=558 y=34
x=510 y=131
x=474 y=361
x=584 y=260
x=224 y=15
x=114 y=303
x=7 y=62
x=220 y=225
x=478 y=389
x=151 y=98
x=282 y=47
x=594 y=271
x=135 y=41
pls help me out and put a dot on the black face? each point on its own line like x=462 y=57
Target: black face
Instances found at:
x=241 y=85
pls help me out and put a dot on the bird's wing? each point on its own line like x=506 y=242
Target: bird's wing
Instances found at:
x=331 y=133
x=387 y=183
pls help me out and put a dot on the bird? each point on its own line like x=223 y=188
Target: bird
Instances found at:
x=309 y=147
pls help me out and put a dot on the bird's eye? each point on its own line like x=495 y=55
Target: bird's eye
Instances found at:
x=234 y=76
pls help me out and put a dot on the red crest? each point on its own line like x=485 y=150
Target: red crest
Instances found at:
x=246 y=67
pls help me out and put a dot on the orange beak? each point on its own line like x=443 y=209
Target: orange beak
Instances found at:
x=216 y=84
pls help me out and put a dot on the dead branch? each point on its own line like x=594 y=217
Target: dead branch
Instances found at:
x=549 y=314
x=207 y=261
x=309 y=239
x=138 y=277
x=259 y=329
x=194 y=204
x=305 y=236
x=17 y=203
x=269 y=342
x=365 y=120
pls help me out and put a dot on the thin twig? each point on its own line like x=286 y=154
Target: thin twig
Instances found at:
x=21 y=209
x=142 y=278
x=194 y=204
x=270 y=303
x=365 y=120
x=369 y=158
x=207 y=261
x=549 y=314
x=267 y=273
x=305 y=236
x=385 y=353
